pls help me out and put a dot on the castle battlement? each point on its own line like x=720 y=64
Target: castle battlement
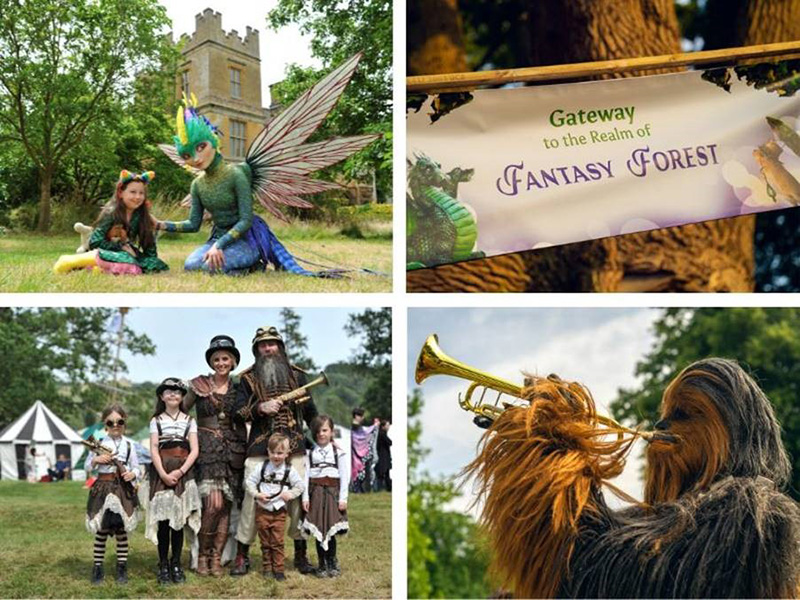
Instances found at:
x=208 y=27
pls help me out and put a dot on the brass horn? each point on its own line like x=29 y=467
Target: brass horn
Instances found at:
x=433 y=361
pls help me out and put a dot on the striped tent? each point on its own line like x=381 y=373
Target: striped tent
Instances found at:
x=38 y=426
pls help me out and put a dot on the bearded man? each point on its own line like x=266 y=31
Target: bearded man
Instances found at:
x=715 y=522
x=271 y=376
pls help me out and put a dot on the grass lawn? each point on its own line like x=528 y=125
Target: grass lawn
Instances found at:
x=47 y=553
x=26 y=265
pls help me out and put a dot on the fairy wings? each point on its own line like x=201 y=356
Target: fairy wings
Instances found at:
x=280 y=161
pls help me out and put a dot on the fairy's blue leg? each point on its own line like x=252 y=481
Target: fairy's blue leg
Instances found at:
x=194 y=262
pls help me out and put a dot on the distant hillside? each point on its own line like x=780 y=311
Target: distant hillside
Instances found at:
x=346 y=391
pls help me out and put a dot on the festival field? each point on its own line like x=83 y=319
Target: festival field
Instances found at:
x=26 y=265
x=47 y=553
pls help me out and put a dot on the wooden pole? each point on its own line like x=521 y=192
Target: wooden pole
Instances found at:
x=451 y=82
x=122 y=313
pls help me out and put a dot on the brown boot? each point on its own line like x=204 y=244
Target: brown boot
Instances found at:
x=220 y=538
x=206 y=541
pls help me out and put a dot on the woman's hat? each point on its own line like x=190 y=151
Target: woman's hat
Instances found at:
x=172 y=383
x=222 y=342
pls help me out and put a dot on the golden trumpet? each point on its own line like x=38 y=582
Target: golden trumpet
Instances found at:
x=433 y=361
x=300 y=395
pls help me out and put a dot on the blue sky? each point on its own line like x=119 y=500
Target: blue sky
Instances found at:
x=181 y=336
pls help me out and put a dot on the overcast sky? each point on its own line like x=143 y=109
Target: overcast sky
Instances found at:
x=278 y=48
x=181 y=336
x=597 y=347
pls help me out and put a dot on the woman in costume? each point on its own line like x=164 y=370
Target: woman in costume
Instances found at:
x=275 y=172
x=171 y=496
x=123 y=240
x=220 y=465
x=327 y=480
x=113 y=508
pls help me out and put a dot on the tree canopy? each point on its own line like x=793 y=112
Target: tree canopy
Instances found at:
x=447 y=557
x=374 y=326
x=63 y=356
x=763 y=340
x=338 y=31
x=63 y=66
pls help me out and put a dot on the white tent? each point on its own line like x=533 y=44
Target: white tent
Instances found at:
x=40 y=427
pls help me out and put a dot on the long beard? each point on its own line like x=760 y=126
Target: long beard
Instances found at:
x=273 y=374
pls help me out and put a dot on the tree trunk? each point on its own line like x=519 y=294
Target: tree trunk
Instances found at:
x=45 y=183
x=711 y=256
x=434 y=37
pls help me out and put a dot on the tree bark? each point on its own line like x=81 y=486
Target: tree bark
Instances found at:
x=434 y=37
x=711 y=256
x=45 y=183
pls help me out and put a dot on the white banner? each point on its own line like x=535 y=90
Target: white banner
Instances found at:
x=525 y=168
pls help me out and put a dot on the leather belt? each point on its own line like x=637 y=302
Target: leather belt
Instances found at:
x=324 y=481
x=106 y=476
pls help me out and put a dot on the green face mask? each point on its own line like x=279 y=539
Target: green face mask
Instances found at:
x=192 y=129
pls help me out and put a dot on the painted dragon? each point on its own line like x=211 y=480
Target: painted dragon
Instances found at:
x=439 y=227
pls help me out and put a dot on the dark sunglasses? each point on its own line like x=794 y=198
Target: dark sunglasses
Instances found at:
x=118 y=423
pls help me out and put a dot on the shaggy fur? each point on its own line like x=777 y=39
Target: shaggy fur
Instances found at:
x=715 y=523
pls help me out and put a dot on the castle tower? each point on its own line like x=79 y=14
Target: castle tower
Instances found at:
x=224 y=73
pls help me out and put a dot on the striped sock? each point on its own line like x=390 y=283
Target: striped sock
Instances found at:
x=100 y=547
x=122 y=547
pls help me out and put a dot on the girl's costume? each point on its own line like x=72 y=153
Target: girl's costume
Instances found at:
x=275 y=172
x=111 y=235
x=112 y=258
x=110 y=507
x=327 y=481
x=222 y=437
x=179 y=505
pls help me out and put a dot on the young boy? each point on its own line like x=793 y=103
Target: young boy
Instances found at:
x=272 y=486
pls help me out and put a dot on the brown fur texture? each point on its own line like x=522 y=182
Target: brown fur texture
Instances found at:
x=536 y=469
x=715 y=522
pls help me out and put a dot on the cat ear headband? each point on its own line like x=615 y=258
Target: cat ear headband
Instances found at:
x=125 y=176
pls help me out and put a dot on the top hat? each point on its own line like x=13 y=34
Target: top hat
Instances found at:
x=264 y=334
x=222 y=342
x=172 y=383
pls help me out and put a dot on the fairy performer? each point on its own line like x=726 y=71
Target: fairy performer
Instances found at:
x=123 y=240
x=275 y=172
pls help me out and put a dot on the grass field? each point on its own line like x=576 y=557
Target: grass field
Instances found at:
x=26 y=263
x=46 y=552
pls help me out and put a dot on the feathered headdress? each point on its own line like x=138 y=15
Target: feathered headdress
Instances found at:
x=193 y=128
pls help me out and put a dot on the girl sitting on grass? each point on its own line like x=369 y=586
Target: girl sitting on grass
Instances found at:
x=112 y=508
x=327 y=480
x=123 y=240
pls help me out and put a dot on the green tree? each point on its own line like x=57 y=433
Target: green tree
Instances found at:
x=763 y=340
x=447 y=557
x=375 y=357
x=62 y=65
x=295 y=342
x=64 y=356
x=339 y=30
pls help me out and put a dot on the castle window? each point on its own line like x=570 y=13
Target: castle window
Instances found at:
x=236 y=83
x=237 y=138
x=185 y=83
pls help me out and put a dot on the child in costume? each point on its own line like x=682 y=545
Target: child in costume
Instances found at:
x=123 y=240
x=325 y=495
x=272 y=485
x=275 y=171
x=112 y=508
x=171 y=495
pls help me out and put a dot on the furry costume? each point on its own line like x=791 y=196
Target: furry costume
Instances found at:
x=715 y=523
